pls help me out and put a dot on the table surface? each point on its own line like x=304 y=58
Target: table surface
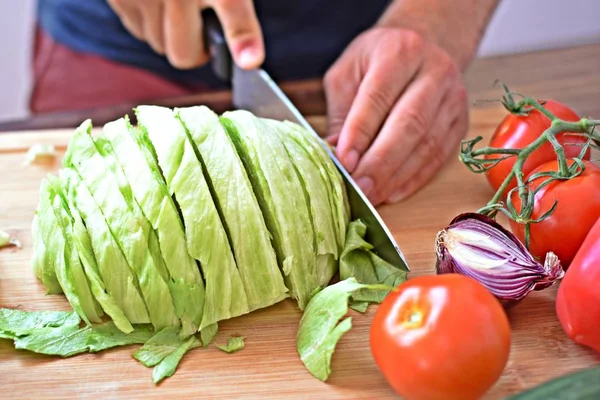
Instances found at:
x=269 y=366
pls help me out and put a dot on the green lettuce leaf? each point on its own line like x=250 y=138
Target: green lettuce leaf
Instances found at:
x=16 y=323
x=234 y=343
x=129 y=227
x=41 y=265
x=108 y=335
x=165 y=350
x=206 y=237
x=52 y=226
x=338 y=196
x=83 y=246
x=281 y=198
x=64 y=342
x=317 y=190
x=320 y=328
x=232 y=192
x=169 y=364
x=68 y=340
x=360 y=262
x=115 y=273
x=159 y=346
x=150 y=191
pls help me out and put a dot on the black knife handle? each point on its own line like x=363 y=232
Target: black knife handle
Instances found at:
x=216 y=45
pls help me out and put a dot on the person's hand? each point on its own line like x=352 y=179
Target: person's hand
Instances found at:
x=397 y=109
x=174 y=28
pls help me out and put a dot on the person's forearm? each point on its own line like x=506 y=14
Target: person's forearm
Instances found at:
x=457 y=26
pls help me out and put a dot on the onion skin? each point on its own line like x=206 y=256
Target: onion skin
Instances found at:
x=477 y=246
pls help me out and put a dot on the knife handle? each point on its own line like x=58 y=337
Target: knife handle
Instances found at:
x=216 y=45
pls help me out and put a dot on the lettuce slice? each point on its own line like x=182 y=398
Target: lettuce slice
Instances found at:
x=150 y=191
x=316 y=190
x=130 y=229
x=41 y=264
x=206 y=237
x=337 y=189
x=115 y=274
x=65 y=261
x=241 y=214
x=281 y=198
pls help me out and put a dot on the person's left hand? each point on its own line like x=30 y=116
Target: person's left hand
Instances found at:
x=397 y=109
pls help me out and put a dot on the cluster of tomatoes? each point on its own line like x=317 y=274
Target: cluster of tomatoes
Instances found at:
x=445 y=336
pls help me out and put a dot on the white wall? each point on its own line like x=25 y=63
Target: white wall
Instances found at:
x=16 y=36
x=517 y=26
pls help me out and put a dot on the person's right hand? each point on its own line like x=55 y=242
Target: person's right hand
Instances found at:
x=174 y=28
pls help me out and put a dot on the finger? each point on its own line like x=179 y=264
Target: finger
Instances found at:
x=153 y=25
x=407 y=125
x=430 y=156
x=242 y=31
x=184 y=44
x=130 y=16
x=379 y=90
x=340 y=84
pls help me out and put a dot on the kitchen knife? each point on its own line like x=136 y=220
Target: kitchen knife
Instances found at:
x=255 y=91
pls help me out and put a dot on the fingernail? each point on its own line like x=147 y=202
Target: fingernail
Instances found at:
x=247 y=58
x=396 y=197
x=366 y=184
x=351 y=160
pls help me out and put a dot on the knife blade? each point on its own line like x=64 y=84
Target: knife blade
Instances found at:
x=255 y=91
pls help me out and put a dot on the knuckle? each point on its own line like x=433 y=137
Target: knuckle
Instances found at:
x=382 y=99
x=331 y=79
x=416 y=122
x=413 y=40
x=361 y=135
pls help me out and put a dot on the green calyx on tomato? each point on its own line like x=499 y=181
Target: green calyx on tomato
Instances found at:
x=518 y=131
x=577 y=209
x=428 y=347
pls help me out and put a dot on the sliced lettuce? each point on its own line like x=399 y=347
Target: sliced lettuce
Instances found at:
x=168 y=365
x=129 y=227
x=107 y=335
x=74 y=285
x=320 y=327
x=234 y=344
x=281 y=197
x=317 y=192
x=83 y=247
x=164 y=350
x=241 y=214
x=359 y=262
x=152 y=195
x=116 y=275
x=67 y=340
x=74 y=265
x=338 y=196
x=40 y=263
x=17 y=323
x=206 y=236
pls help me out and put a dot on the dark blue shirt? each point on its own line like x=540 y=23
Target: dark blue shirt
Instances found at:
x=302 y=37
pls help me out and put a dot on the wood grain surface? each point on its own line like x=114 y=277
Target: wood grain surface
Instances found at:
x=269 y=366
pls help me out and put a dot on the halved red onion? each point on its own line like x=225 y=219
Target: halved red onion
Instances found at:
x=477 y=246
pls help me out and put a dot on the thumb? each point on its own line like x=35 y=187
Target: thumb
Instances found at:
x=242 y=31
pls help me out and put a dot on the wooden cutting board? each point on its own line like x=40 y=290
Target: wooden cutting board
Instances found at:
x=269 y=366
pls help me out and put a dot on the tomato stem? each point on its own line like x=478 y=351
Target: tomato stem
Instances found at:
x=476 y=162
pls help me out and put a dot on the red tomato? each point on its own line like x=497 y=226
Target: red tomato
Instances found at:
x=577 y=210
x=578 y=298
x=516 y=132
x=440 y=337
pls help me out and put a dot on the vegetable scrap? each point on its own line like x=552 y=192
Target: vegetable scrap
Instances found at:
x=39 y=152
